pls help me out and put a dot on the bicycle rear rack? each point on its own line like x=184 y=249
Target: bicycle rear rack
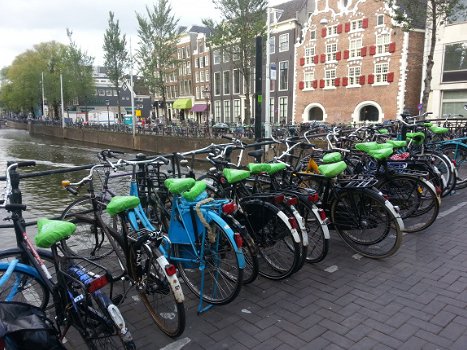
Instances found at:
x=357 y=181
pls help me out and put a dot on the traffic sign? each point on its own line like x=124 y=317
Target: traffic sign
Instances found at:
x=420 y=106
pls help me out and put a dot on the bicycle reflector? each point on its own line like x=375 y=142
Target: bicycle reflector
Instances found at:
x=292 y=201
x=293 y=222
x=229 y=208
x=170 y=269
x=313 y=197
x=279 y=199
x=238 y=239
x=322 y=214
x=97 y=283
x=65 y=183
x=438 y=190
x=454 y=162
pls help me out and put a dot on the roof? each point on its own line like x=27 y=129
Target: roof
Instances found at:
x=290 y=9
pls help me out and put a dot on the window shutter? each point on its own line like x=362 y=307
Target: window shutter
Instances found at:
x=315 y=84
x=302 y=61
x=345 y=81
x=361 y=80
x=339 y=28
x=321 y=83
x=372 y=49
x=392 y=47
x=315 y=59
x=323 y=58
x=363 y=51
x=338 y=55
x=347 y=27
x=323 y=32
x=365 y=23
x=371 y=78
x=390 y=77
x=301 y=85
x=346 y=54
x=337 y=81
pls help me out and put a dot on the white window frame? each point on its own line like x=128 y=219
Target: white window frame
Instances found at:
x=196 y=62
x=236 y=71
x=310 y=52
x=331 y=52
x=196 y=77
x=280 y=76
x=226 y=84
x=313 y=34
x=355 y=48
x=237 y=109
x=329 y=78
x=283 y=107
x=381 y=72
x=216 y=57
x=206 y=73
x=382 y=43
x=308 y=78
x=331 y=30
x=271 y=109
x=356 y=25
x=217 y=80
x=218 y=110
x=225 y=56
x=354 y=75
x=227 y=118
x=378 y=17
x=284 y=44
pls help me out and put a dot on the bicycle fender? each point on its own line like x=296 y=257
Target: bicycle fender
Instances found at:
x=285 y=219
x=432 y=187
x=22 y=268
x=230 y=234
x=301 y=224
x=173 y=280
x=397 y=216
x=324 y=225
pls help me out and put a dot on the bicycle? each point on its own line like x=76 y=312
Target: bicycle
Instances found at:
x=76 y=291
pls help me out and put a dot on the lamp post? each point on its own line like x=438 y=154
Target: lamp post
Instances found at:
x=206 y=93
x=107 y=103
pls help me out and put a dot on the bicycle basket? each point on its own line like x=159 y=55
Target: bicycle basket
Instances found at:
x=357 y=181
x=25 y=327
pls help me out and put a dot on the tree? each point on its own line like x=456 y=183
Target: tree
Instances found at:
x=157 y=50
x=242 y=21
x=116 y=58
x=434 y=13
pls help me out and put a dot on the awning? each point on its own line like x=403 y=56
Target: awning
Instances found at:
x=199 y=108
x=182 y=103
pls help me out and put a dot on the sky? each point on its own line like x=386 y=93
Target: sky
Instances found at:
x=24 y=23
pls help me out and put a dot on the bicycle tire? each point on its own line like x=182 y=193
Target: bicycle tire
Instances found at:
x=278 y=249
x=366 y=222
x=89 y=240
x=24 y=286
x=222 y=271
x=159 y=295
x=458 y=153
x=445 y=166
x=417 y=201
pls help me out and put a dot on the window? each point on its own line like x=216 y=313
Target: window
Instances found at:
x=283 y=106
x=217 y=57
x=201 y=62
x=369 y=113
x=188 y=67
x=200 y=47
x=206 y=73
x=227 y=111
x=283 y=75
x=379 y=20
x=271 y=109
x=217 y=110
x=309 y=53
x=237 y=112
x=217 y=83
x=225 y=56
x=332 y=30
x=329 y=77
x=313 y=34
x=101 y=92
x=309 y=77
x=196 y=62
x=453 y=102
x=197 y=77
x=206 y=61
x=115 y=92
x=284 y=42
x=236 y=81
x=355 y=47
x=201 y=76
x=226 y=82
x=272 y=44
x=273 y=76
x=197 y=93
x=455 y=62
x=354 y=75
x=382 y=43
x=381 y=72
x=355 y=25
x=331 y=51
x=108 y=92
x=236 y=53
x=458 y=14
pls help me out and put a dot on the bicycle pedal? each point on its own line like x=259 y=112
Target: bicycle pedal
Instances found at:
x=118 y=299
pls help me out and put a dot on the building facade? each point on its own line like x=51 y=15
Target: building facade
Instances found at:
x=355 y=64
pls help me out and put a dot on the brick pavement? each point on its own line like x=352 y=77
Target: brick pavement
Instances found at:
x=416 y=299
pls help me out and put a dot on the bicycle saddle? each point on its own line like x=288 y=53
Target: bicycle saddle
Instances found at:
x=235 y=175
x=50 y=232
x=119 y=204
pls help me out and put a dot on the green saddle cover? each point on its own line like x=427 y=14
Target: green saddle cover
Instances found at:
x=428 y=124
x=438 y=130
x=381 y=154
x=257 y=168
x=50 y=232
x=333 y=169
x=417 y=137
x=235 y=175
x=383 y=131
x=119 y=204
x=371 y=146
x=177 y=186
x=195 y=191
x=276 y=167
x=397 y=143
x=332 y=157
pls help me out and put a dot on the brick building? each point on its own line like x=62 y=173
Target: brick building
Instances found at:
x=355 y=64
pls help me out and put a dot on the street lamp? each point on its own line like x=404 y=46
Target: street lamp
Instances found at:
x=207 y=95
x=107 y=103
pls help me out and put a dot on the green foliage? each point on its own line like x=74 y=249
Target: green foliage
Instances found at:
x=157 y=49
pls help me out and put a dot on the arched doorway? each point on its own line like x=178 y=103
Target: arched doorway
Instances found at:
x=315 y=113
x=369 y=113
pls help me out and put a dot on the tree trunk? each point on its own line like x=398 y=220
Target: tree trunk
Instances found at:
x=118 y=105
x=429 y=62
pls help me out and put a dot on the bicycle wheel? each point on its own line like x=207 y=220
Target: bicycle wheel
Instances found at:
x=278 y=248
x=162 y=299
x=416 y=199
x=364 y=221
x=218 y=276
x=89 y=240
x=458 y=154
x=24 y=286
x=445 y=166
x=318 y=239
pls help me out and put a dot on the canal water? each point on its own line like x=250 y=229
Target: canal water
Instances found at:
x=43 y=195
